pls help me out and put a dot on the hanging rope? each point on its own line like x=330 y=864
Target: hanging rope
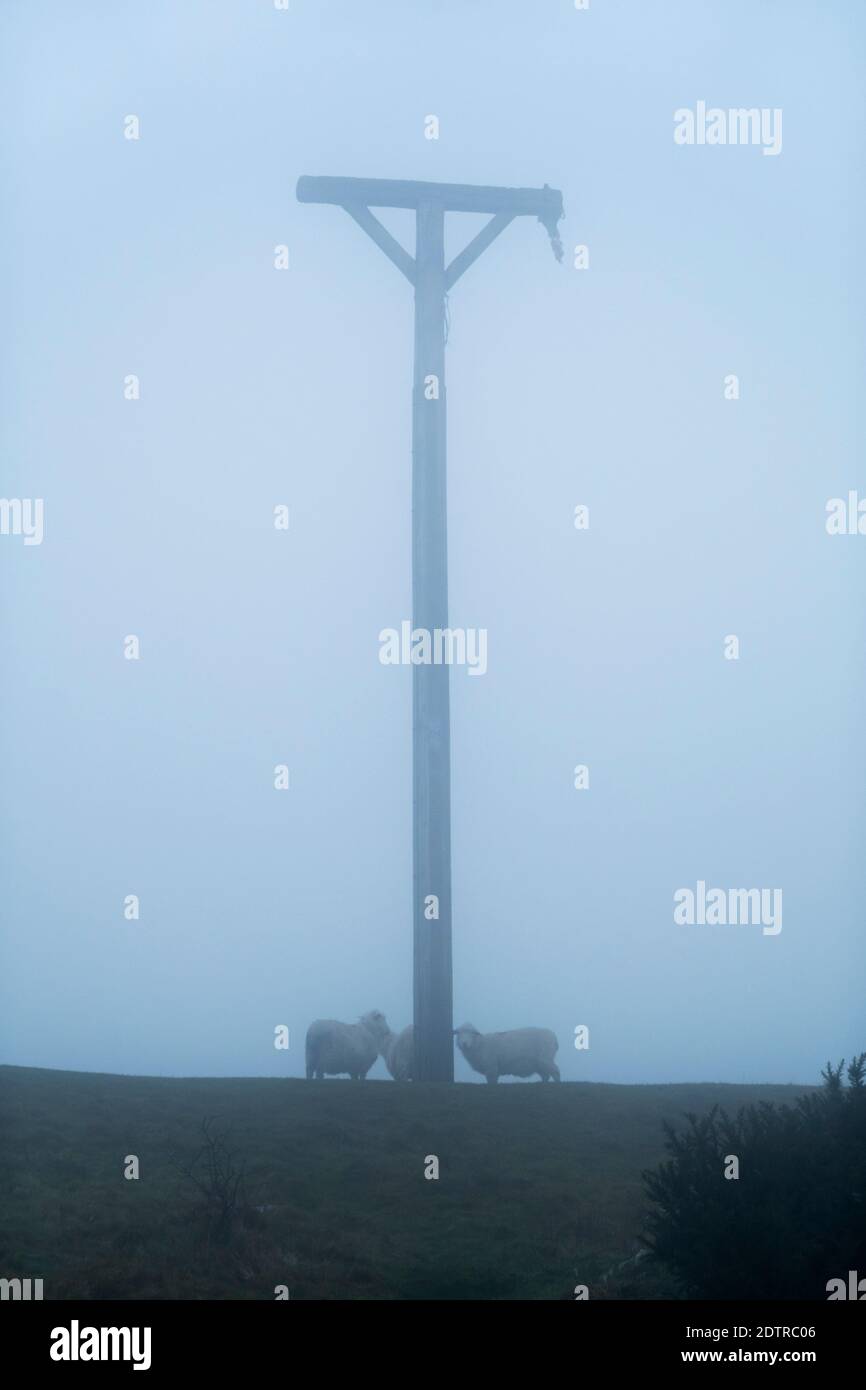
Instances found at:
x=550 y=226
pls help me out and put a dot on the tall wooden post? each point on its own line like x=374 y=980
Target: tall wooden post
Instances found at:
x=431 y=747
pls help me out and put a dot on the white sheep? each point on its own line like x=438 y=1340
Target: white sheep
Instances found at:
x=398 y=1050
x=334 y=1048
x=521 y=1052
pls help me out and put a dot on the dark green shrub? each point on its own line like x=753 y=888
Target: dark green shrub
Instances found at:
x=796 y=1215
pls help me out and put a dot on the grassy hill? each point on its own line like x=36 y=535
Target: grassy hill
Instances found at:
x=539 y=1186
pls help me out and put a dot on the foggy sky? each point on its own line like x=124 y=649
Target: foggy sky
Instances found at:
x=259 y=647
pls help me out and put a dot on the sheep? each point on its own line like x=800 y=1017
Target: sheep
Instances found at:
x=398 y=1050
x=521 y=1052
x=334 y=1048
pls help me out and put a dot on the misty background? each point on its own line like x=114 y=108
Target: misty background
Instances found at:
x=259 y=647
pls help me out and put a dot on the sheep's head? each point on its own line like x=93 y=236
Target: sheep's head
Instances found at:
x=376 y=1023
x=466 y=1036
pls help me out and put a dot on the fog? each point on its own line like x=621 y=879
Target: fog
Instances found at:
x=601 y=387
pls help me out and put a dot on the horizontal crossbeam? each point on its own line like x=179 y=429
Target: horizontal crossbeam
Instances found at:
x=544 y=203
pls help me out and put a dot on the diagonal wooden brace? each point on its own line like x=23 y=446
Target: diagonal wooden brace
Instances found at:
x=478 y=244
x=383 y=238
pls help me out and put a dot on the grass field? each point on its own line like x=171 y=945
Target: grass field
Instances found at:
x=539 y=1186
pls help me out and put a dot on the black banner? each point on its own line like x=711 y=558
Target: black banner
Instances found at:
x=171 y=1338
